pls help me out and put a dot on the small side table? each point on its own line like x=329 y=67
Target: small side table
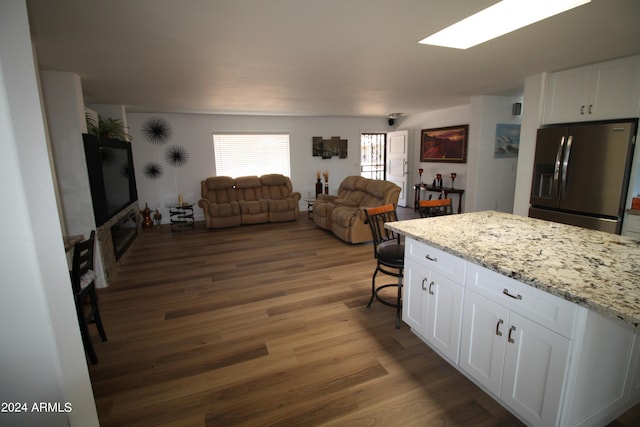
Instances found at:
x=181 y=217
x=310 y=201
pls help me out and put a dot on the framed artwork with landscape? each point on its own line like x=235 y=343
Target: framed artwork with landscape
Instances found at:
x=446 y=144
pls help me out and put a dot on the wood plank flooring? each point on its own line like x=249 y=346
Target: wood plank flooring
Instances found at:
x=267 y=325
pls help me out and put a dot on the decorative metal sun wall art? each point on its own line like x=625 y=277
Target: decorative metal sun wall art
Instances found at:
x=176 y=156
x=152 y=170
x=156 y=130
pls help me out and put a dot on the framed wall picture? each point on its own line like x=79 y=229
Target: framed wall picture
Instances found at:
x=446 y=144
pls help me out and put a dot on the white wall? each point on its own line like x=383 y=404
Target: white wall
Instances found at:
x=62 y=94
x=460 y=115
x=42 y=359
x=492 y=181
x=65 y=117
x=194 y=132
x=531 y=119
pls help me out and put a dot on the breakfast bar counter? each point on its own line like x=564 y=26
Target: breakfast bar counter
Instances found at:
x=597 y=270
x=542 y=316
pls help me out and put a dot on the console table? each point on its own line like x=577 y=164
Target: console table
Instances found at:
x=446 y=191
x=181 y=216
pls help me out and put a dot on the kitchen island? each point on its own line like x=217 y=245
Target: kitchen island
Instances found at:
x=543 y=316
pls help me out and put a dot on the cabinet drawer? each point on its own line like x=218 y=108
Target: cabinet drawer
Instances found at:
x=541 y=307
x=449 y=266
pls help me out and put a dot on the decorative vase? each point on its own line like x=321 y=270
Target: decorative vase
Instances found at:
x=318 y=187
x=326 y=188
x=147 y=222
x=157 y=218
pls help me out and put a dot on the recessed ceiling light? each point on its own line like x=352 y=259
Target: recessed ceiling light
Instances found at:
x=501 y=18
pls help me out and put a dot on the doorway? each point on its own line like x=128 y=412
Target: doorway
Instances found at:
x=384 y=157
x=372 y=148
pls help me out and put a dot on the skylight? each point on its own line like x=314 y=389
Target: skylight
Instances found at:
x=501 y=18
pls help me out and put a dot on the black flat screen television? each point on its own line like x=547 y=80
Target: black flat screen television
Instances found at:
x=111 y=176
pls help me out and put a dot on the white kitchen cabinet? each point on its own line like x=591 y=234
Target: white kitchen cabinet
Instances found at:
x=606 y=371
x=631 y=226
x=515 y=342
x=534 y=370
x=634 y=382
x=414 y=307
x=549 y=361
x=433 y=292
x=608 y=90
x=483 y=341
x=444 y=315
x=519 y=361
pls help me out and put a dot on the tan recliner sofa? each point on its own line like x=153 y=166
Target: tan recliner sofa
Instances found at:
x=344 y=214
x=229 y=202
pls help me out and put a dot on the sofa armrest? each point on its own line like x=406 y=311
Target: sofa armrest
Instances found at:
x=295 y=195
x=362 y=215
x=204 y=204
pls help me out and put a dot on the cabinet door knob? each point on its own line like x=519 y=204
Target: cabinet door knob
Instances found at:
x=500 y=322
x=430 y=288
x=511 y=329
x=591 y=109
x=424 y=288
x=582 y=110
x=430 y=258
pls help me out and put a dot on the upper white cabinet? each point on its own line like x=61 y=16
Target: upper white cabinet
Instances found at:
x=608 y=90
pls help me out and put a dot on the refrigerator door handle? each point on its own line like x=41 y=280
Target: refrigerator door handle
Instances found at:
x=565 y=166
x=556 y=171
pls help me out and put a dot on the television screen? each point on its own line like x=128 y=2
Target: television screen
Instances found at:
x=115 y=173
x=111 y=176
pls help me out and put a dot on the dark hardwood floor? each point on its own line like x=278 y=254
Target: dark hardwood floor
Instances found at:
x=267 y=325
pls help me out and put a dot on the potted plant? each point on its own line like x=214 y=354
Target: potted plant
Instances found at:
x=107 y=128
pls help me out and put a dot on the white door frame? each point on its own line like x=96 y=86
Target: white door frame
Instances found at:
x=397 y=162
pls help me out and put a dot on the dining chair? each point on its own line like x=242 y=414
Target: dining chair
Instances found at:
x=83 y=282
x=439 y=207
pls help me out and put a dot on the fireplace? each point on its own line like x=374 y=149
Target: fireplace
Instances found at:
x=123 y=233
x=115 y=236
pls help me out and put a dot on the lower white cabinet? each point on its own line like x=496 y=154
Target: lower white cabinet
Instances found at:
x=432 y=307
x=549 y=361
x=519 y=361
x=631 y=226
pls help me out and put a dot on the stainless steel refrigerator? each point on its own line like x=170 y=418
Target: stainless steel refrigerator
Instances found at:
x=581 y=173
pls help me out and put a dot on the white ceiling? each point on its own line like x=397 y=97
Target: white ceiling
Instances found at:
x=308 y=57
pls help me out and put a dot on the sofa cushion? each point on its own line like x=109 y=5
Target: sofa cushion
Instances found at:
x=249 y=188
x=282 y=205
x=218 y=189
x=276 y=187
x=274 y=179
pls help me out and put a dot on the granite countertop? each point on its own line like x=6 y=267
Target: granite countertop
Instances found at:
x=597 y=270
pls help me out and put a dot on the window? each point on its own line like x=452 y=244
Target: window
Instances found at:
x=372 y=148
x=251 y=154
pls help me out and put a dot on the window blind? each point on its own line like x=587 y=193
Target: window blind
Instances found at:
x=251 y=154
